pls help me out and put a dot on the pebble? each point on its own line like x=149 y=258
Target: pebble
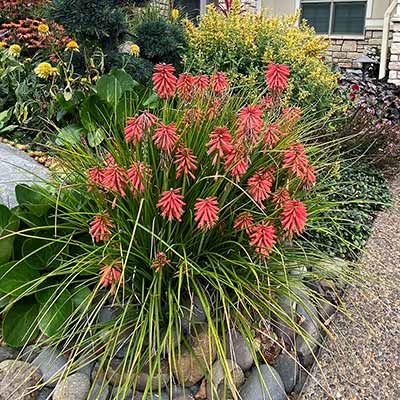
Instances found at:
x=193 y=314
x=51 y=363
x=268 y=386
x=99 y=391
x=74 y=387
x=17 y=378
x=45 y=393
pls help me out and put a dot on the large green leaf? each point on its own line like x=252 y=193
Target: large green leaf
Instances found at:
x=109 y=89
x=19 y=325
x=95 y=137
x=124 y=79
x=8 y=223
x=56 y=307
x=93 y=112
x=81 y=295
x=69 y=134
x=32 y=198
x=40 y=253
x=16 y=276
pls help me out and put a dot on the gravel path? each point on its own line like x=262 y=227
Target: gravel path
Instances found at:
x=363 y=363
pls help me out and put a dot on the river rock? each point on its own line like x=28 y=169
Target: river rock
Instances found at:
x=99 y=391
x=115 y=375
x=191 y=364
x=281 y=327
x=29 y=353
x=17 y=380
x=7 y=353
x=237 y=349
x=45 y=393
x=193 y=314
x=219 y=385
x=307 y=343
x=51 y=363
x=287 y=367
x=74 y=387
x=268 y=386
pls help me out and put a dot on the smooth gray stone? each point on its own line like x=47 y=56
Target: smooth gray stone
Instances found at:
x=74 y=387
x=17 y=167
x=267 y=387
x=30 y=352
x=50 y=362
x=7 y=353
x=237 y=349
x=99 y=391
x=193 y=314
x=45 y=394
x=287 y=367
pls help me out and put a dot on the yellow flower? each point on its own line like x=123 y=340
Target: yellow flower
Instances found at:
x=174 y=14
x=28 y=60
x=44 y=70
x=43 y=28
x=70 y=79
x=135 y=50
x=15 y=50
x=72 y=45
x=84 y=80
x=2 y=44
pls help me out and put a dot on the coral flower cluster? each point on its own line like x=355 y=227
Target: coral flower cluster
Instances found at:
x=255 y=155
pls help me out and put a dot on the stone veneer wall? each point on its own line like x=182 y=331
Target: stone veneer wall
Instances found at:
x=394 y=64
x=343 y=52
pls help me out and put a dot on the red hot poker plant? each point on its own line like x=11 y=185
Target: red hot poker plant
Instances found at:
x=232 y=178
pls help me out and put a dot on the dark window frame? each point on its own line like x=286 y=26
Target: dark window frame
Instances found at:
x=332 y=4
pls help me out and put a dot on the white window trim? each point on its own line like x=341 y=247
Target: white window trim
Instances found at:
x=368 y=14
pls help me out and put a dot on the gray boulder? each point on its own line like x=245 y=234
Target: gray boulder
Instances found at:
x=237 y=349
x=265 y=384
x=7 y=353
x=51 y=364
x=74 y=387
x=287 y=367
x=18 y=380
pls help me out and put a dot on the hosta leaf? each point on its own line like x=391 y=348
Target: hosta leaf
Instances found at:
x=19 y=324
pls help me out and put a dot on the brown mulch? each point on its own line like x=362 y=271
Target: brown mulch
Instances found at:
x=363 y=363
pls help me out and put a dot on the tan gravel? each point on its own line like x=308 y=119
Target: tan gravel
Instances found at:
x=363 y=363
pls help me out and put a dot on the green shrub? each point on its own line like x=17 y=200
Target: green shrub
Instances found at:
x=92 y=22
x=161 y=41
x=241 y=44
x=360 y=191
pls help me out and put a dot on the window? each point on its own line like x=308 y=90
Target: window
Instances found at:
x=193 y=8
x=337 y=17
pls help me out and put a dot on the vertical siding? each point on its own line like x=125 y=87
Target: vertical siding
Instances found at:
x=379 y=7
x=280 y=7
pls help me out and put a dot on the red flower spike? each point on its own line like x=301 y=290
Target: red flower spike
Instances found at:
x=165 y=137
x=271 y=135
x=100 y=228
x=109 y=275
x=220 y=142
x=134 y=130
x=214 y=109
x=95 y=177
x=295 y=159
x=201 y=83
x=291 y=114
x=308 y=177
x=280 y=197
x=219 y=82
x=114 y=177
x=294 y=217
x=171 y=204
x=244 y=221
x=193 y=116
x=206 y=212
x=164 y=80
x=267 y=102
x=277 y=76
x=185 y=161
x=147 y=119
x=259 y=185
x=250 y=122
x=185 y=85
x=236 y=163
x=137 y=173
x=263 y=237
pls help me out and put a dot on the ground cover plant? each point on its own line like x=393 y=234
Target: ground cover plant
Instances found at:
x=194 y=195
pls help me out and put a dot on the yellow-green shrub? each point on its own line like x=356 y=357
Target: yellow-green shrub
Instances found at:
x=241 y=44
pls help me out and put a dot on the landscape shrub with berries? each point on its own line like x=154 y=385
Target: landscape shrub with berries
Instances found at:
x=200 y=198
